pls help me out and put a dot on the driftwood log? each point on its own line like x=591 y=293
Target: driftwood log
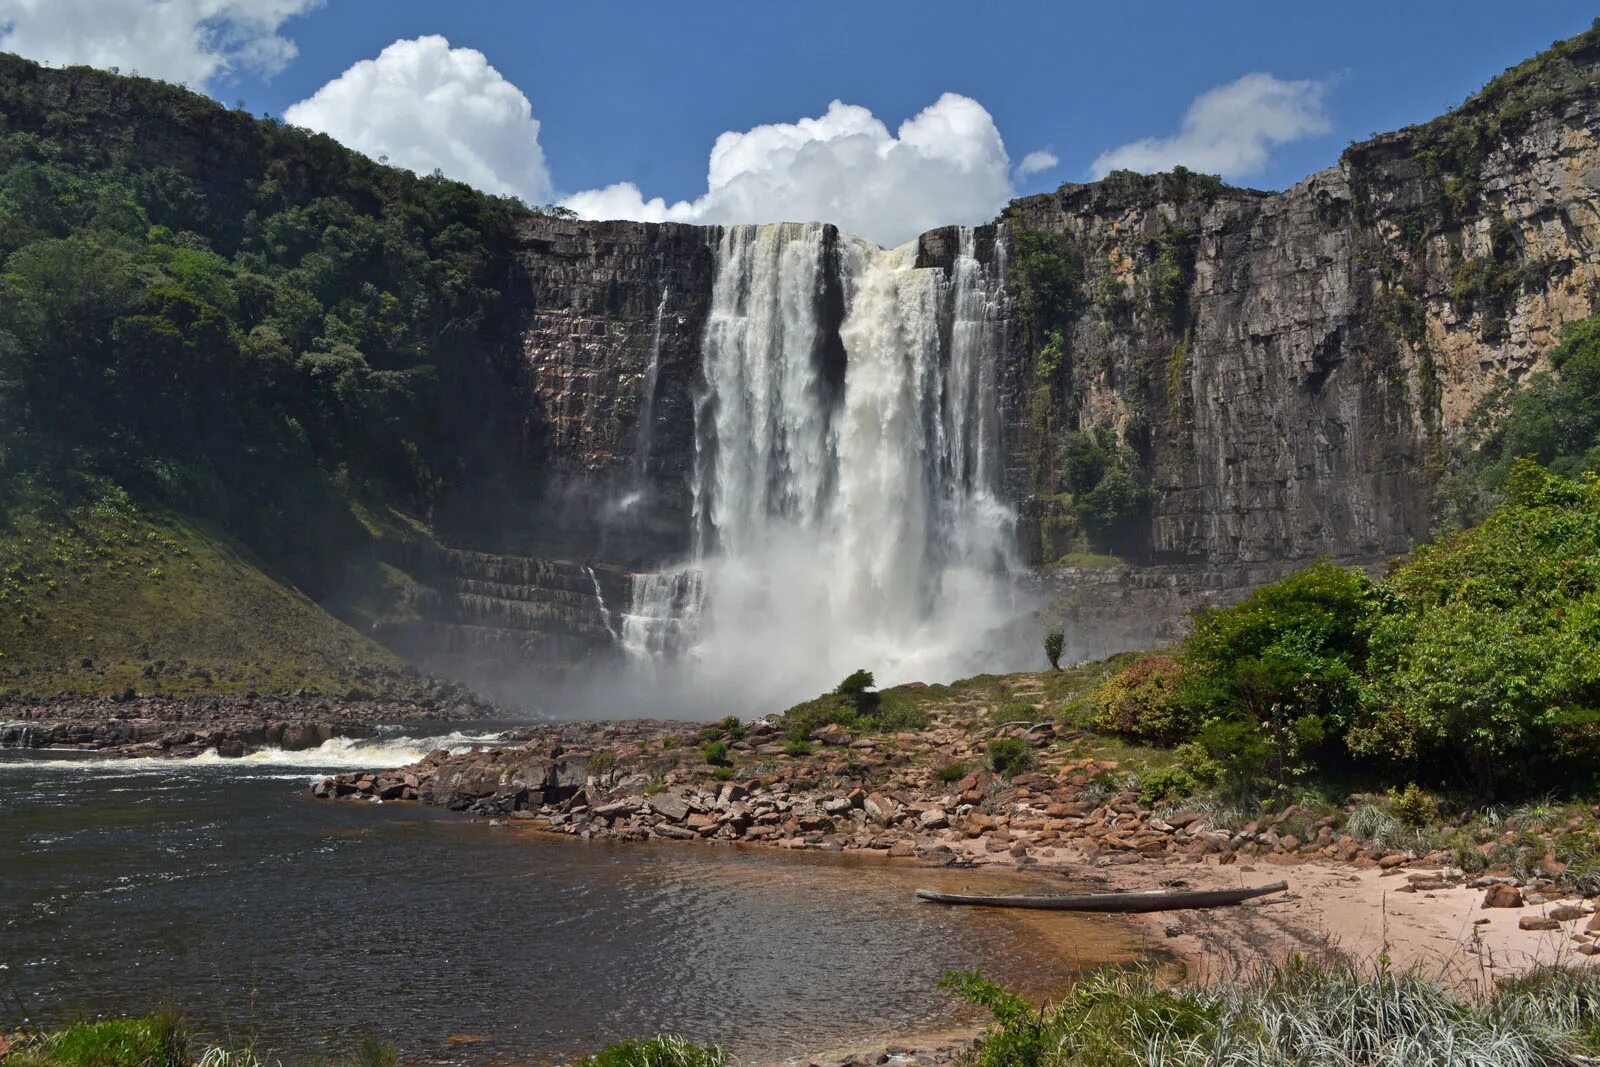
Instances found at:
x=1150 y=900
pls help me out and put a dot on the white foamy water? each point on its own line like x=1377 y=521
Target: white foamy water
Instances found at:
x=837 y=529
x=337 y=754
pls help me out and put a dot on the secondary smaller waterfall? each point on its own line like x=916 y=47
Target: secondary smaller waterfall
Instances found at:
x=645 y=431
x=600 y=603
x=837 y=528
x=664 y=615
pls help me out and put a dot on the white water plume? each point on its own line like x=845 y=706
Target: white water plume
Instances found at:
x=837 y=529
x=339 y=753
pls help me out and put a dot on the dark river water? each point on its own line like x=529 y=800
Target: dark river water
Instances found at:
x=222 y=889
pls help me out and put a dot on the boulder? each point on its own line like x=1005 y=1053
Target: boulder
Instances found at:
x=831 y=734
x=1537 y=922
x=1501 y=895
x=880 y=809
x=669 y=806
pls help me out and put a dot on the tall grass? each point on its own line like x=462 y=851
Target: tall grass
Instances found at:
x=1300 y=1015
x=667 y=1050
x=152 y=1041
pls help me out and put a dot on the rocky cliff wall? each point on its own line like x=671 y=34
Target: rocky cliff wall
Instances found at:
x=1292 y=368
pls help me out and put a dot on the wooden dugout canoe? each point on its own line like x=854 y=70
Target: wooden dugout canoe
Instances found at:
x=1148 y=900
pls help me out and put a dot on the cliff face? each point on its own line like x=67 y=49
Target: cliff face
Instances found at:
x=1296 y=395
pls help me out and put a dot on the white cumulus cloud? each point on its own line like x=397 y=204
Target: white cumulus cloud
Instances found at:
x=426 y=106
x=1037 y=163
x=193 y=42
x=1230 y=130
x=947 y=164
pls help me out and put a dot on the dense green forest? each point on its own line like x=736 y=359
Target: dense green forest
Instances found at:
x=225 y=334
x=258 y=328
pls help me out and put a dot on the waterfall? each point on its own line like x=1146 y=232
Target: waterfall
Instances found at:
x=664 y=616
x=600 y=603
x=647 y=396
x=836 y=529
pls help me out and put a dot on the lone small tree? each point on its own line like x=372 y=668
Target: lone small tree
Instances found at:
x=1054 y=641
x=860 y=689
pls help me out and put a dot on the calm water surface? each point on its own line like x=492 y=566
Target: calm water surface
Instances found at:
x=222 y=888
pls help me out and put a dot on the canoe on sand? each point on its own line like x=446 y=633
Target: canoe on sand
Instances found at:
x=1149 y=900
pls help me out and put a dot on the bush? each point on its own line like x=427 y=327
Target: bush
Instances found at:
x=1285 y=663
x=724 y=774
x=1482 y=659
x=798 y=748
x=1009 y=755
x=663 y=1051
x=716 y=754
x=153 y=1041
x=1166 y=783
x=859 y=689
x=1054 y=642
x=951 y=772
x=1141 y=702
x=1413 y=805
x=856 y=705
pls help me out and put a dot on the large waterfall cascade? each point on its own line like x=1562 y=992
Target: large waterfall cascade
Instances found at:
x=838 y=529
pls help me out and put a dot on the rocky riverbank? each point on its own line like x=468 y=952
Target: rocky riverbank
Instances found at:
x=930 y=795
x=233 y=726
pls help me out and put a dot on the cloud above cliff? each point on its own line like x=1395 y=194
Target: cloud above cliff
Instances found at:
x=426 y=106
x=1037 y=163
x=1230 y=130
x=946 y=164
x=194 y=42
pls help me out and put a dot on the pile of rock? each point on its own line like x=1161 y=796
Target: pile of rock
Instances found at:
x=233 y=726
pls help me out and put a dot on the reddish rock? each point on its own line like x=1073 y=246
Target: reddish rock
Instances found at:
x=1537 y=922
x=1501 y=895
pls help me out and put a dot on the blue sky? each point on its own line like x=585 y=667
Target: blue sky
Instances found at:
x=639 y=92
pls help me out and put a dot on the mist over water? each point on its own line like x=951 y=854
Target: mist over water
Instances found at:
x=845 y=479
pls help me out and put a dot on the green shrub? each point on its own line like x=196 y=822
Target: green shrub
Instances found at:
x=1285 y=663
x=153 y=1041
x=732 y=728
x=716 y=753
x=663 y=1051
x=858 y=688
x=1482 y=660
x=1141 y=702
x=798 y=749
x=370 y=1051
x=1009 y=755
x=855 y=705
x=1413 y=805
x=724 y=774
x=1014 y=711
x=1054 y=642
x=951 y=772
x=1296 y=1015
x=1166 y=783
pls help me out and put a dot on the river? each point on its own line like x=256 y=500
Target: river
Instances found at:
x=220 y=888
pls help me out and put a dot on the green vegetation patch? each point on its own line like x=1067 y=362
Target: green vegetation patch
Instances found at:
x=859 y=707
x=107 y=595
x=1301 y=1013
x=664 y=1051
